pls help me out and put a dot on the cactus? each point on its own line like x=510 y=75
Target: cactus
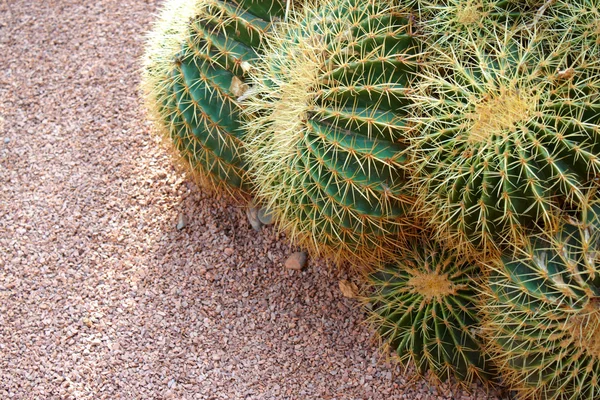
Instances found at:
x=424 y=308
x=327 y=118
x=543 y=313
x=195 y=67
x=509 y=133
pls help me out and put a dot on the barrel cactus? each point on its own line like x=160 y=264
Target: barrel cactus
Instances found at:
x=195 y=68
x=543 y=313
x=508 y=134
x=423 y=305
x=327 y=122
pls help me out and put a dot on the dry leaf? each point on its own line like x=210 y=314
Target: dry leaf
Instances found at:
x=566 y=74
x=237 y=87
x=246 y=66
x=349 y=289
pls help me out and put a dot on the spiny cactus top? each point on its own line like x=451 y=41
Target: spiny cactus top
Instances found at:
x=196 y=63
x=509 y=133
x=543 y=314
x=327 y=122
x=454 y=23
x=424 y=308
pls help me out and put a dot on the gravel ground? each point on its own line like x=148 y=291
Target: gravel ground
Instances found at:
x=101 y=297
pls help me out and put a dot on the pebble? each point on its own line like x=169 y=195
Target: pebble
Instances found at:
x=265 y=216
x=6 y=140
x=181 y=221
x=297 y=261
x=228 y=251
x=252 y=214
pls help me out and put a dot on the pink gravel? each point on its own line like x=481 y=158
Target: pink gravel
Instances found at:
x=101 y=297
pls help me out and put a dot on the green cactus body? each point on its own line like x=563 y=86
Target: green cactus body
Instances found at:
x=326 y=125
x=543 y=314
x=196 y=63
x=507 y=135
x=424 y=308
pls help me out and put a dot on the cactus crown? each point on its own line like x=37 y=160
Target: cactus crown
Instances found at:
x=583 y=330
x=453 y=20
x=325 y=123
x=431 y=284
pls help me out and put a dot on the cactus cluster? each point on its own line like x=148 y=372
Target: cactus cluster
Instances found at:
x=450 y=148
x=326 y=127
x=195 y=68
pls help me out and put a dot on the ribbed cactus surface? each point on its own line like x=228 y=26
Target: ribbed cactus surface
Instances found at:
x=509 y=133
x=424 y=309
x=543 y=314
x=328 y=116
x=195 y=68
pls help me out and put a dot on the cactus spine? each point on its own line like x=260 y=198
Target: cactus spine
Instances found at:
x=424 y=308
x=327 y=120
x=196 y=64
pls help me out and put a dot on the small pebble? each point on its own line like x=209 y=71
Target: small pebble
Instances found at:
x=266 y=217
x=181 y=221
x=228 y=251
x=252 y=214
x=297 y=261
x=6 y=140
